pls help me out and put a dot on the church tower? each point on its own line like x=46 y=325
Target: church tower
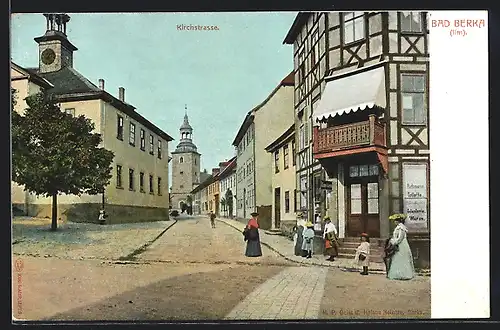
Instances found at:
x=185 y=165
x=55 y=50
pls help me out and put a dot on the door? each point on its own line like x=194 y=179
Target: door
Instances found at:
x=277 y=207
x=363 y=201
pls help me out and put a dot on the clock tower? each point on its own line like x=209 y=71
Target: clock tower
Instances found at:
x=55 y=50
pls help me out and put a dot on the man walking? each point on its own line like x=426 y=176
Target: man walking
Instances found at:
x=212 y=219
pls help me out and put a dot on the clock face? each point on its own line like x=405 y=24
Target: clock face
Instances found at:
x=48 y=56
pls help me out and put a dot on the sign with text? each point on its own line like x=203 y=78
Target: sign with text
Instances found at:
x=415 y=196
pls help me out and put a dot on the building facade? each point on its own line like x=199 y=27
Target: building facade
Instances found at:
x=262 y=125
x=227 y=180
x=214 y=192
x=361 y=112
x=185 y=166
x=201 y=196
x=138 y=190
x=283 y=183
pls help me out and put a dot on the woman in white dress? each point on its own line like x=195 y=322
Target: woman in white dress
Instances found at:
x=401 y=263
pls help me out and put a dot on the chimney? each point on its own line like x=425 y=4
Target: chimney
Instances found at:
x=121 y=94
x=101 y=84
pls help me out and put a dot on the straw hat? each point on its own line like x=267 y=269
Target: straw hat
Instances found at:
x=326 y=219
x=254 y=214
x=309 y=224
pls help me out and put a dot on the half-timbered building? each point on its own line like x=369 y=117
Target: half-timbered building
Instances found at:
x=362 y=116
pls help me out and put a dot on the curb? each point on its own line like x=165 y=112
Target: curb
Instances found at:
x=373 y=271
x=138 y=251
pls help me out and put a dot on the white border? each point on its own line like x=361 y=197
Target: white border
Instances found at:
x=459 y=167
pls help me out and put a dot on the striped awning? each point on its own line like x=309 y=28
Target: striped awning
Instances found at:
x=359 y=90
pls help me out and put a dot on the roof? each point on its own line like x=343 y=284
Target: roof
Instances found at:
x=297 y=25
x=70 y=85
x=32 y=76
x=205 y=183
x=243 y=128
x=353 y=91
x=228 y=169
x=282 y=139
x=289 y=80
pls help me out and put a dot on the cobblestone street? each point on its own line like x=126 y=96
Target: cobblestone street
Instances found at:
x=191 y=272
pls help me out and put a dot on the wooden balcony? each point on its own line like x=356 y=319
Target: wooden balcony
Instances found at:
x=369 y=133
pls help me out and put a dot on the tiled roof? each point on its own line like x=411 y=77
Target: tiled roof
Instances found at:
x=68 y=81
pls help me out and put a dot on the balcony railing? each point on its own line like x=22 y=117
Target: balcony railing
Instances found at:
x=365 y=133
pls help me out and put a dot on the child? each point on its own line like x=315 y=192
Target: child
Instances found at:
x=362 y=257
x=294 y=237
x=307 y=243
x=212 y=219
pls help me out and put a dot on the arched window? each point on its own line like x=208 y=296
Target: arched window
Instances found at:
x=181 y=160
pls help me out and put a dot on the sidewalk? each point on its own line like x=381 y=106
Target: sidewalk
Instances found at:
x=31 y=237
x=284 y=247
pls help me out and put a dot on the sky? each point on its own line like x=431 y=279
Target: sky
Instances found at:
x=220 y=74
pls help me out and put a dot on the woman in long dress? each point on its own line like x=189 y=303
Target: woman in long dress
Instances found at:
x=401 y=263
x=252 y=237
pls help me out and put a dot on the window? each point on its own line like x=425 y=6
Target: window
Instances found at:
x=294 y=153
x=181 y=186
x=302 y=66
x=151 y=191
x=355 y=191
x=276 y=161
x=315 y=48
x=195 y=161
x=70 y=111
x=285 y=156
x=143 y=140
x=159 y=149
x=287 y=201
x=363 y=170
x=151 y=144
x=301 y=137
x=131 y=179
x=131 y=139
x=181 y=160
x=411 y=21
x=118 y=176
x=182 y=172
x=159 y=186
x=119 y=128
x=141 y=182
x=354 y=26
x=413 y=99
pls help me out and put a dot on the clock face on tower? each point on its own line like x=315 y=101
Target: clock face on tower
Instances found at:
x=48 y=56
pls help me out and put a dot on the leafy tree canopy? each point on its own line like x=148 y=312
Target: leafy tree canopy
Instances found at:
x=54 y=152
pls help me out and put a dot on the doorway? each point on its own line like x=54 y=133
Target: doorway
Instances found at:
x=277 y=208
x=363 y=200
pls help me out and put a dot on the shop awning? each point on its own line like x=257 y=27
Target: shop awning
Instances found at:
x=353 y=92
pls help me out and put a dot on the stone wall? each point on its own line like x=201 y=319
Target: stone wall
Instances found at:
x=89 y=212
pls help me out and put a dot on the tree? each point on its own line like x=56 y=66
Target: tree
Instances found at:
x=189 y=201
x=54 y=152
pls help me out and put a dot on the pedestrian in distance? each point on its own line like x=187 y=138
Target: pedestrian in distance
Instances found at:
x=401 y=265
x=212 y=219
x=308 y=237
x=251 y=235
x=362 y=257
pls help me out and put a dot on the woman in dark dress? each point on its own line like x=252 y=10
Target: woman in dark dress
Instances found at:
x=252 y=238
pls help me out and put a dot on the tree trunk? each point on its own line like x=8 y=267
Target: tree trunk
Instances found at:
x=54 y=212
